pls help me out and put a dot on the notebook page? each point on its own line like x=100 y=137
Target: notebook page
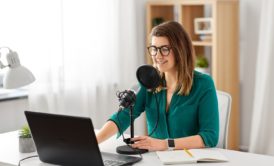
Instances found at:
x=175 y=157
x=208 y=155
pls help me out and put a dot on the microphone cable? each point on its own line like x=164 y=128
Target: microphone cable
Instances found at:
x=19 y=163
x=158 y=111
x=158 y=115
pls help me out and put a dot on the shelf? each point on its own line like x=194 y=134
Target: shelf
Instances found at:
x=159 y=14
x=193 y=2
x=202 y=43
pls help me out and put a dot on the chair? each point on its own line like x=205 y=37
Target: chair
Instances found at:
x=224 y=104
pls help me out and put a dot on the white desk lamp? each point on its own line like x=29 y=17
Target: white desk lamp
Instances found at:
x=17 y=75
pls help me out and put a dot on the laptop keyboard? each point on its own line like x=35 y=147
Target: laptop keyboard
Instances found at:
x=113 y=162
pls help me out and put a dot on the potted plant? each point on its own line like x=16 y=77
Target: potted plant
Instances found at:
x=26 y=144
x=202 y=64
x=156 y=21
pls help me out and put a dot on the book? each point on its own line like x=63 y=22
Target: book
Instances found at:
x=191 y=156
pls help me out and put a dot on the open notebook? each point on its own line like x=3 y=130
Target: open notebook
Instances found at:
x=192 y=156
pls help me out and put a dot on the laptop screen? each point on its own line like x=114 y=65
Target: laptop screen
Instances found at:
x=66 y=140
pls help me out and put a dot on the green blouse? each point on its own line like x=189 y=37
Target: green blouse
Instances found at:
x=196 y=113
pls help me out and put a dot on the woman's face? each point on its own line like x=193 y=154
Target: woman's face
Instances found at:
x=164 y=58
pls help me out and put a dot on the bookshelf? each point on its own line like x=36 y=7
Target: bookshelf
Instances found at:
x=221 y=48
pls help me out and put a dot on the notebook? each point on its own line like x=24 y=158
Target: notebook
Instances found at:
x=70 y=140
x=191 y=156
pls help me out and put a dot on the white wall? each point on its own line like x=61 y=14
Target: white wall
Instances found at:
x=249 y=29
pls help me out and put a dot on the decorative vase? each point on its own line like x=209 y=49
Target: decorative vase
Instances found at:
x=26 y=145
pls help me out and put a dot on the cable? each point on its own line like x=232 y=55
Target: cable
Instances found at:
x=158 y=116
x=19 y=163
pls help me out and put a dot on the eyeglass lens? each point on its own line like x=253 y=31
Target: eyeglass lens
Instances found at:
x=164 y=50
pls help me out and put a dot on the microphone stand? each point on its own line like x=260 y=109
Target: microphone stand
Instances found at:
x=131 y=122
x=149 y=77
x=127 y=149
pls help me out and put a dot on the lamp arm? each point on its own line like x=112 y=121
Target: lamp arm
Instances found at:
x=1 y=64
x=5 y=47
x=12 y=58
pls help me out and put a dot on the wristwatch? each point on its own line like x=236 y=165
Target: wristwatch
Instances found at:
x=171 y=144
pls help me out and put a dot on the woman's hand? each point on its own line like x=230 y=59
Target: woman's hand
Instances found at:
x=151 y=144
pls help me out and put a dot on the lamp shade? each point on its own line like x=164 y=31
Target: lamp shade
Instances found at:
x=17 y=77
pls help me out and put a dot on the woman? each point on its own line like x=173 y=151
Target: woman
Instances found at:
x=188 y=107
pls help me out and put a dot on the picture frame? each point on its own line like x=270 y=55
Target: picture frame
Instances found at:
x=203 y=26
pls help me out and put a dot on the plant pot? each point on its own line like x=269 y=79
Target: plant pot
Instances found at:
x=202 y=70
x=26 y=145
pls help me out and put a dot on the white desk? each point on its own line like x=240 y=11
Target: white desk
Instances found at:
x=9 y=155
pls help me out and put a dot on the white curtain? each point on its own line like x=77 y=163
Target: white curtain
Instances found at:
x=262 y=129
x=98 y=56
x=80 y=51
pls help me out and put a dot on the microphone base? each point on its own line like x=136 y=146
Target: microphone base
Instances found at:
x=126 y=149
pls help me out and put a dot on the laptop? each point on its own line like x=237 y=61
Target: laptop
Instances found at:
x=70 y=140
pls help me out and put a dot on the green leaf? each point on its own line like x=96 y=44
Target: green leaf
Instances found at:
x=202 y=62
x=24 y=132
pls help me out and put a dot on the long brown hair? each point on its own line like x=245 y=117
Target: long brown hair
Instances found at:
x=183 y=50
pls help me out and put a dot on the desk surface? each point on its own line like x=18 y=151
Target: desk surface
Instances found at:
x=9 y=154
x=10 y=94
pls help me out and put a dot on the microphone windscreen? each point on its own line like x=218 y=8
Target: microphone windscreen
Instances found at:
x=148 y=76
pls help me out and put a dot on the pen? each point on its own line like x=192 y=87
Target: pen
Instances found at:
x=188 y=152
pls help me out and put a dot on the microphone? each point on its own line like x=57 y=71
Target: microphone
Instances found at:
x=148 y=76
x=126 y=98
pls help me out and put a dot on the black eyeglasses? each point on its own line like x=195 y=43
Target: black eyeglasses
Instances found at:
x=164 y=50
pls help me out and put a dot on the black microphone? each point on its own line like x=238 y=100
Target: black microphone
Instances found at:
x=126 y=98
x=148 y=76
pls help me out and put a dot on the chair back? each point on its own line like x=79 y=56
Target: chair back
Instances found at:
x=224 y=104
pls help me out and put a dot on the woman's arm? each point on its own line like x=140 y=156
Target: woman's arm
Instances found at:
x=191 y=142
x=152 y=144
x=108 y=130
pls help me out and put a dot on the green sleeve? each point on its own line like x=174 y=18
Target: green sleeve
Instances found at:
x=122 y=119
x=209 y=117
